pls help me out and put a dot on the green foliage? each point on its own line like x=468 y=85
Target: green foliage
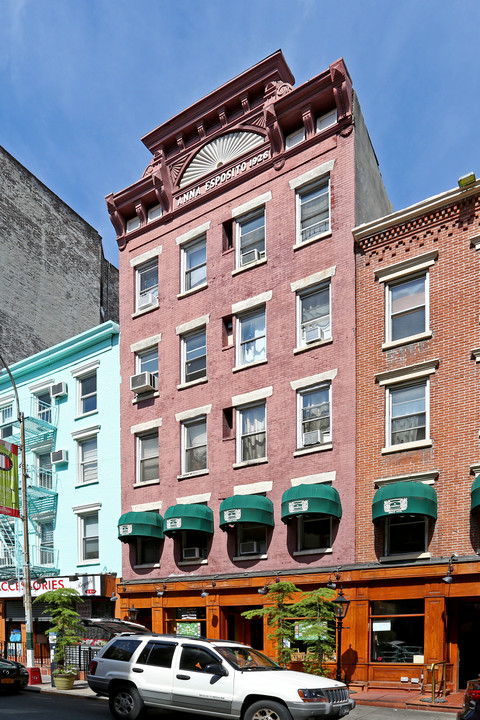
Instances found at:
x=288 y=607
x=66 y=623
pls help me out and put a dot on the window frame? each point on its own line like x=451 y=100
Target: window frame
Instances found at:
x=186 y=247
x=82 y=517
x=185 y=425
x=387 y=540
x=151 y=290
x=301 y=295
x=239 y=410
x=140 y=355
x=82 y=463
x=4 y=424
x=139 y=439
x=240 y=531
x=240 y=320
x=320 y=183
x=388 y=307
x=390 y=390
x=240 y=222
x=184 y=338
x=300 y=534
x=82 y=397
x=46 y=544
x=301 y=392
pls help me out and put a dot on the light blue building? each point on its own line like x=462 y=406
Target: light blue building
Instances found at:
x=69 y=395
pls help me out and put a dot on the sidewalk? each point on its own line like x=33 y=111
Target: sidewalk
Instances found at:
x=80 y=689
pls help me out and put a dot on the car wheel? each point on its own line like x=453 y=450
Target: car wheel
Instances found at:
x=267 y=710
x=125 y=703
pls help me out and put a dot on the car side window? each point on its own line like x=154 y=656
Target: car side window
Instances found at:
x=121 y=650
x=195 y=659
x=158 y=654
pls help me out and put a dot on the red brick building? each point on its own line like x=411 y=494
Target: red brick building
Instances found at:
x=416 y=586
x=237 y=310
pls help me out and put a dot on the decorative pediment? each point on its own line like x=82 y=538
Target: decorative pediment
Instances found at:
x=221 y=151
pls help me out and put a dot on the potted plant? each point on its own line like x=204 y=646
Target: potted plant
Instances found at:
x=66 y=628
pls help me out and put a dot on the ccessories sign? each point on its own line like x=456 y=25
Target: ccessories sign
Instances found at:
x=9 y=499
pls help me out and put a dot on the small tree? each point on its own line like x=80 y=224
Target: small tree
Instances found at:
x=285 y=613
x=66 y=624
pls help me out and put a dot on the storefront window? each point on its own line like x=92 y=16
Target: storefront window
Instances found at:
x=191 y=621
x=397 y=631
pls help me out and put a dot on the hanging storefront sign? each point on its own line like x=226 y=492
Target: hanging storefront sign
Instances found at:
x=9 y=498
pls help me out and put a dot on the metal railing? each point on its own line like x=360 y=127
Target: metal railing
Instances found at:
x=78 y=655
x=442 y=685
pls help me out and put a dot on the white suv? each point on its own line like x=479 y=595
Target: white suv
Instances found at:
x=218 y=678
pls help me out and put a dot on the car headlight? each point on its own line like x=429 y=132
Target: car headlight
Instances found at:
x=309 y=695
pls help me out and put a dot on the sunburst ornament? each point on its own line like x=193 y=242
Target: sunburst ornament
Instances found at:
x=220 y=152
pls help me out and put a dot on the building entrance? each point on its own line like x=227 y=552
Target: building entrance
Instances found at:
x=242 y=630
x=469 y=656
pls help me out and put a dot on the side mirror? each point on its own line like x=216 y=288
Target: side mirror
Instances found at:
x=216 y=669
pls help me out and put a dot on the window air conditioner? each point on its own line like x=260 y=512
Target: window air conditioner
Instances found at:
x=252 y=256
x=313 y=333
x=147 y=300
x=192 y=553
x=314 y=437
x=59 y=456
x=58 y=390
x=249 y=548
x=143 y=382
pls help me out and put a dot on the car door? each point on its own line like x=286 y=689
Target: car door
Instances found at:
x=152 y=672
x=195 y=689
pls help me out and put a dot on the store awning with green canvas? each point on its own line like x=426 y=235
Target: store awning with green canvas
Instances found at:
x=188 y=517
x=318 y=499
x=255 y=509
x=406 y=498
x=140 y=524
x=476 y=493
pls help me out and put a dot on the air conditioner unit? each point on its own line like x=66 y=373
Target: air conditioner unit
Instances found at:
x=59 y=456
x=249 y=548
x=192 y=553
x=314 y=437
x=252 y=256
x=143 y=382
x=147 y=300
x=58 y=390
x=312 y=333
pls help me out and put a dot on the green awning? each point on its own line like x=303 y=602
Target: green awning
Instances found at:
x=140 y=524
x=315 y=499
x=188 y=517
x=405 y=498
x=246 y=509
x=476 y=493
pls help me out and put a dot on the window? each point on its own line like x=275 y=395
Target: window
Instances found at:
x=159 y=654
x=327 y=120
x=252 y=436
x=133 y=224
x=147 y=454
x=314 y=315
x=407 y=308
x=294 y=138
x=44 y=470
x=43 y=402
x=406 y=534
x=194 y=545
x=147 y=361
x=6 y=418
x=46 y=544
x=313 y=210
x=147 y=285
x=121 y=649
x=87 y=386
x=194 y=258
x=250 y=238
x=397 y=630
x=148 y=551
x=313 y=533
x=195 y=658
x=251 y=337
x=87 y=460
x=314 y=411
x=194 y=442
x=407 y=413
x=194 y=356
x=251 y=539
x=89 y=549
x=154 y=213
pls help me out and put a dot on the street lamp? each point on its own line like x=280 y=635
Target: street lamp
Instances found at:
x=132 y=613
x=340 y=609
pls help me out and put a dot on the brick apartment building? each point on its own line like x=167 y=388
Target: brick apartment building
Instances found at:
x=416 y=585
x=237 y=309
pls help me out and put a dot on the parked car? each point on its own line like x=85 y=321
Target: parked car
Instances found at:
x=13 y=675
x=208 y=677
x=471 y=702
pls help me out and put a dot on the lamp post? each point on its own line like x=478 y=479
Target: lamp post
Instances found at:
x=26 y=552
x=341 y=605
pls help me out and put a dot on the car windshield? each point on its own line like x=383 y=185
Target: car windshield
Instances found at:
x=245 y=658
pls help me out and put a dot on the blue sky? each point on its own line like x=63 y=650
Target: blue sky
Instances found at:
x=82 y=80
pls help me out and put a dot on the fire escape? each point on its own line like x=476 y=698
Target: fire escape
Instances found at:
x=42 y=498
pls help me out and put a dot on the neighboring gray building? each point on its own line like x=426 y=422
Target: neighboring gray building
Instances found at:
x=56 y=281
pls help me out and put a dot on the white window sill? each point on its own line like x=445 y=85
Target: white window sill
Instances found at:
x=406 y=556
x=145 y=310
x=84 y=484
x=145 y=396
x=317 y=343
x=192 y=383
x=239 y=558
x=147 y=565
x=182 y=563
x=319 y=551
x=300 y=245
x=251 y=265
x=88 y=414
x=407 y=340
x=198 y=473
x=403 y=447
x=249 y=365
x=147 y=482
x=249 y=463
x=194 y=290
x=314 y=449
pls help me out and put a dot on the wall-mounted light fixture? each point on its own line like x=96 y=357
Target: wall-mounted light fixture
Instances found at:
x=264 y=590
x=114 y=597
x=204 y=592
x=160 y=591
x=448 y=577
x=132 y=613
x=332 y=584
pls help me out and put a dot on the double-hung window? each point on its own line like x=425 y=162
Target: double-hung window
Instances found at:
x=87 y=460
x=44 y=406
x=313 y=533
x=87 y=393
x=43 y=468
x=46 y=544
x=408 y=420
x=314 y=314
x=314 y=416
x=251 y=337
x=6 y=420
x=407 y=307
x=194 y=263
x=313 y=208
x=147 y=361
x=194 y=445
x=194 y=355
x=147 y=457
x=147 y=284
x=252 y=432
x=250 y=238
x=89 y=545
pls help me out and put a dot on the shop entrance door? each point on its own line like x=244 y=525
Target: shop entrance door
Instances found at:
x=242 y=630
x=468 y=642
